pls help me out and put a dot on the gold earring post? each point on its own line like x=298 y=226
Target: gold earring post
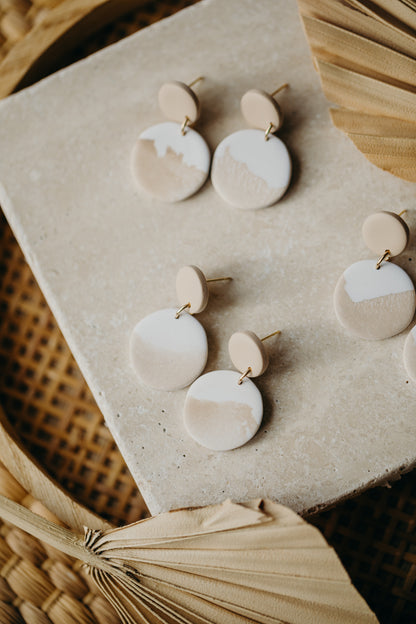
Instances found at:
x=219 y=279
x=271 y=335
x=181 y=309
x=269 y=131
x=385 y=256
x=402 y=212
x=184 y=125
x=191 y=84
x=244 y=375
x=283 y=86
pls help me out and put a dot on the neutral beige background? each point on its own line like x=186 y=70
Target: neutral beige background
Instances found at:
x=339 y=411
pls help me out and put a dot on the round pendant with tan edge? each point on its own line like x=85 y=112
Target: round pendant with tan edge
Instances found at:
x=409 y=354
x=249 y=172
x=219 y=413
x=374 y=303
x=169 y=165
x=166 y=352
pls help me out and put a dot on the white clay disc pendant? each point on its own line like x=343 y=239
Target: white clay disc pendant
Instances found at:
x=170 y=165
x=374 y=304
x=409 y=354
x=168 y=353
x=249 y=172
x=220 y=414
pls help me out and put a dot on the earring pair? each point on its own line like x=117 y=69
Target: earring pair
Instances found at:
x=250 y=168
x=169 y=349
x=376 y=299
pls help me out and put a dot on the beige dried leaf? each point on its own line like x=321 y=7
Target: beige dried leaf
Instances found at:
x=365 y=53
x=227 y=564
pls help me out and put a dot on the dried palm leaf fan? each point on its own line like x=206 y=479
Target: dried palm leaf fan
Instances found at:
x=225 y=564
x=365 y=52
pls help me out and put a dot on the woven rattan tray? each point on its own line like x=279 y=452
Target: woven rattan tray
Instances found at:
x=55 y=417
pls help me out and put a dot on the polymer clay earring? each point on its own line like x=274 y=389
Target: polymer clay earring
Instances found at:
x=170 y=161
x=252 y=168
x=224 y=409
x=169 y=349
x=375 y=299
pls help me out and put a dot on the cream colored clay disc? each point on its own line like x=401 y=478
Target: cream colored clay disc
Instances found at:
x=168 y=353
x=170 y=165
x=249 y=172
x=220 y=414
x=177 y=101
x=247 y=351
x=409 y=354
x=191 y=287
x=260 y=109
x=374 y=304
x=385 y=230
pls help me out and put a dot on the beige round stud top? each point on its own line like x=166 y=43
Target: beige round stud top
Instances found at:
x=260 y=109
x=177 y=101
x=191 y=287
x=247 y=351
x=385 y=230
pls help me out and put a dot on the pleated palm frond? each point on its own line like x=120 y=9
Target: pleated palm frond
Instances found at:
x=226 y=564
x=365 y=53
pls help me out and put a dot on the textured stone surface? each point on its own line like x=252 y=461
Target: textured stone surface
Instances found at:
x=339 y=414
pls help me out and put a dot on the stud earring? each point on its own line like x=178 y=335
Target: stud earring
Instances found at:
x=375 y=299
x=169 y=349
x=224 y=409
x=171 y=161
x=252 y=168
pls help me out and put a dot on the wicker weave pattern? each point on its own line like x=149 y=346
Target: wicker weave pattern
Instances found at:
x=38 y=584
x=375 y=537
x=49 y=403
x=18 y=17
x=53 y=412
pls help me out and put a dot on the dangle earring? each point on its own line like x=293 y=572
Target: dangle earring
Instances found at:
x=169 y=349
x=252 y=168
x=224 y=409
x=170 y=161
x=375 y=299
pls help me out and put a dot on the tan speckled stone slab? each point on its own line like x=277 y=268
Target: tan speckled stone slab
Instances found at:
x=340 y=414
